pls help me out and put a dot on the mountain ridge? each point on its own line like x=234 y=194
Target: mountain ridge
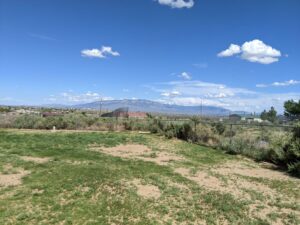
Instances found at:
x=150 y=106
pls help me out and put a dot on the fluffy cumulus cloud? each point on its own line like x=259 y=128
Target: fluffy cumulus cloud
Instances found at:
x=99 y=53
x=185 y=76
x=253 y=51
x=70 y=97
x=232 y=50
x=177 y=3
x=279 y=84
x=194 y=93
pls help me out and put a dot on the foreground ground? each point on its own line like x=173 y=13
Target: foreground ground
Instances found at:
x=133 y=178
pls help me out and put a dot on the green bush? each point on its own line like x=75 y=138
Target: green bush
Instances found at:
x=294 y=168
x=27 y=121
x=292 y=152
x=219 y=128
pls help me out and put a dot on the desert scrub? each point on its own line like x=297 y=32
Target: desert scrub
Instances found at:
x=292 y=152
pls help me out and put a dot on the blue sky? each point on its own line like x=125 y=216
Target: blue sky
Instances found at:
x=238 y=54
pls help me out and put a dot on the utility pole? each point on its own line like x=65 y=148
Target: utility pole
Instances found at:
x=100 y=107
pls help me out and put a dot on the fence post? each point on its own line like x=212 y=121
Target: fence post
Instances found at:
x=230 y=142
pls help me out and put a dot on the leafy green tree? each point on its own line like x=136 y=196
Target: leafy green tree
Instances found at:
x=270 y=115
x=196 y=121
x=264 y=115
x=292 y=109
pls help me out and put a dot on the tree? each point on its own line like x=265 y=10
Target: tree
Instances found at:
x=196 y=121
x=270 y=115
x=264 y=115
x=292 y=109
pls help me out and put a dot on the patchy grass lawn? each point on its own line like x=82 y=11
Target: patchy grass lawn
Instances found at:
x=132 y=178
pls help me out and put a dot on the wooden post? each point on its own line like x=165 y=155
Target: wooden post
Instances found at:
x=231 y=134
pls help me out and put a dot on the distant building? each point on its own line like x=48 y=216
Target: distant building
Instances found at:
x=258 y=120
x=120 y=112
x=139 y=115
x=235 y=117
x=124 y=113
x=253 y=119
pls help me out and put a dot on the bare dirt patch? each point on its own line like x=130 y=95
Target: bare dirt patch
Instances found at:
x=212 y=183
x=136 y=151
x=257 y=172
x=37 y=191
x=36 y=159
x=263 y=212
x=125 y=151
x=13 y=179
x=233 y=185
x=146 y=190
x=202 y=178
x=227 y=180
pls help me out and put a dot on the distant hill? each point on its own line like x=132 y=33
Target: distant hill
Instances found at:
x=155 y=107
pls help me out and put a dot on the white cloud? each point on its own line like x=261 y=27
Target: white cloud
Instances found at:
x=75 y=98
x=232 y=50
x=253 y=51
x=261 y=85
x=185 y=76
x=194 y=93
x=170 y=94
x=99 y=53
x=279 y=84
x=257 y=51
x=177 y=3
x=286 y=83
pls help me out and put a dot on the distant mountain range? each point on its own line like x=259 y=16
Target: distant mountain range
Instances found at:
x=140 y=105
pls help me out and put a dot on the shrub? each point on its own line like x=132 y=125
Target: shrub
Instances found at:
x=185 y=132
x=219 y=128
x=294 y=168
x=206 y=135
x=26 y=121
x=292 y=152
x=156 y=126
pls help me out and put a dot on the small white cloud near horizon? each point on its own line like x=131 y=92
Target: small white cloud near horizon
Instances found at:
x=195 y=93
x=177 y=3
x=170 y=94
x=185 y=76
x=279 y=84
x=255 y=51
x=70 y=97
x=99 y=53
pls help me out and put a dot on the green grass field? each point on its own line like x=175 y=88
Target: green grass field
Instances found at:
x=78 y=178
